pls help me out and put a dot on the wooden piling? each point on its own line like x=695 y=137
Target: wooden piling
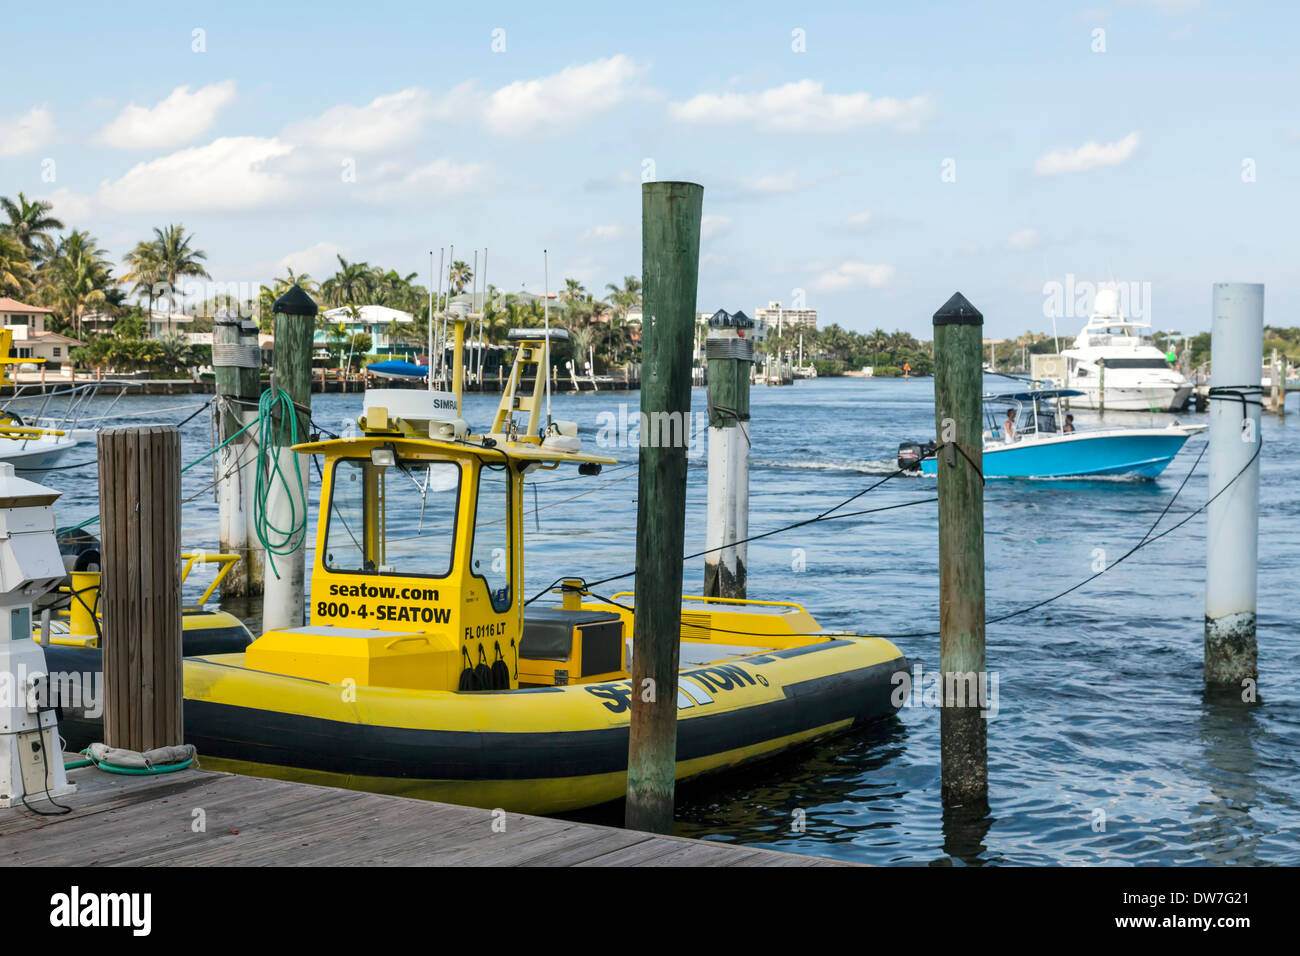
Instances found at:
x=237 y=366
x=1101 y=385
x=295 y=324
x=730 y=359
x=670 y=256
x=958 y=387
x=1281 y=376
x=140 y=593
x=1277 y=376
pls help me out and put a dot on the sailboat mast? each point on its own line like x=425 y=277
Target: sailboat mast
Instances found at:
x=546 y=308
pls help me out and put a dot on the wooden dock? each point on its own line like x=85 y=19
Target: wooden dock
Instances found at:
x=201 y=818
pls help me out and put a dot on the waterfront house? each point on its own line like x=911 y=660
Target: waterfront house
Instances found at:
x=389 y=329
x=32 y=340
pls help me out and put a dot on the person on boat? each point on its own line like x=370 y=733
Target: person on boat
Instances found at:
x=1068 y=427
x=1009 y=431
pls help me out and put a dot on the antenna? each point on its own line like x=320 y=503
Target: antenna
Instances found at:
x=429 y=370
x=433 y=321
x=442 y=352
x=1056 y=341
x=546 y=308
x=472 y=296
x=482 y=350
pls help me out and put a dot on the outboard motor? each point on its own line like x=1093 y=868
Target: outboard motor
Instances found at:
x=911 y=453
x=78 y=548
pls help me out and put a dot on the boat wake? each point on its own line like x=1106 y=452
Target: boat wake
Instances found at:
x=882 y=466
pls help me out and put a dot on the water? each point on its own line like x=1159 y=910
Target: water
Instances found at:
x=1101 y=703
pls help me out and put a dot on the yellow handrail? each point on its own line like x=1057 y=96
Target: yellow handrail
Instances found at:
x=722 y=600
x=24 y=431
x=227 y=561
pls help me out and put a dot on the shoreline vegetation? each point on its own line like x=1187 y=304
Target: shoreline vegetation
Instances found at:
x=69 y=273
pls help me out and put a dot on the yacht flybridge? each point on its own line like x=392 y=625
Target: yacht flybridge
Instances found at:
x=1137 y=376
x=423 y=670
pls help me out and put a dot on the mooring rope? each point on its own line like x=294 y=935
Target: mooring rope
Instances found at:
x=272 y=437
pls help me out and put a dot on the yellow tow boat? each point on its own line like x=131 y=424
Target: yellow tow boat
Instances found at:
x=423 y=673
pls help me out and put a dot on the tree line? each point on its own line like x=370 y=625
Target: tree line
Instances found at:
x=69 y=272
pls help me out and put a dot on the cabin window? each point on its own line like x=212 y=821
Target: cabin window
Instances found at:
x=490 y=555
x=399 y=519
x=1137 y=363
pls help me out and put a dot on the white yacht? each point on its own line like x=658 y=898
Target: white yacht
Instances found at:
x=1138 y=376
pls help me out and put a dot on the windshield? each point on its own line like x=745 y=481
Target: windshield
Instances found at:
x=410 y=527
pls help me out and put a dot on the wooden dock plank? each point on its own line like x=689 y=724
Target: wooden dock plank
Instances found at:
x=251 y=821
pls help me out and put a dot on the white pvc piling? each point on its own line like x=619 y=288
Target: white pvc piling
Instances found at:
x=1232 y=527
x=730 y=357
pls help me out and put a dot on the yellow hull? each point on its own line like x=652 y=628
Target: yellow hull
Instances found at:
x=540 y=750
x=534 y=750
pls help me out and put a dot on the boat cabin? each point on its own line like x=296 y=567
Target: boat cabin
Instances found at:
x=418 y=566
x=1036 y=412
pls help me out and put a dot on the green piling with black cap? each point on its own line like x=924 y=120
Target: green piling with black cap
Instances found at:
x=958 y=399
x=670 y=260
x=286 y=500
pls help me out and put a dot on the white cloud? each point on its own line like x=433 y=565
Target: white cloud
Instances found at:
x=574 y=95
x=853 y=275
x=1088 y=156
x=602 y=233
x=439 y=179
x=176 y=120
x=384 y=122
x=68 y=205
x=859 y=221
x=803 y=106
x=25 y=132
x=317 y=260
x=444 y=177
x=711 y=226
x=773 y=183
x=229 y=173
x=1024 y=239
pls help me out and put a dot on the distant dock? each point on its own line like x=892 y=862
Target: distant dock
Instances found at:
x=202 y=818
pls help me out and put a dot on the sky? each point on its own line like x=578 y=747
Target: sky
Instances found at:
x=866 y=159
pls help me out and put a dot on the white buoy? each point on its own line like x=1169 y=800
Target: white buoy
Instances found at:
x=1232 y=527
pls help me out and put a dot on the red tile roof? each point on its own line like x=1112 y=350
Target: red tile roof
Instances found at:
x=13 y=305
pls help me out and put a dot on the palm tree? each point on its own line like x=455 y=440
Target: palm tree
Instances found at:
x=351 y=285
x=398 y=291
x=625 y=298
x=459 y=276
x=31 y=224
x=162 y=260
x=582 y=338
x=79 y=277
x=496 y=322
x=301 y=279
x=15 y=267
x=573 y=291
